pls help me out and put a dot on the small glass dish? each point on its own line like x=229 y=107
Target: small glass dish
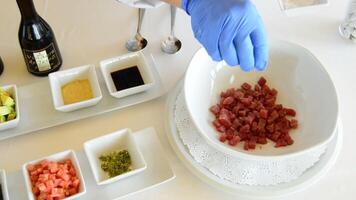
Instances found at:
x=123 y=62
x=298 y=7
x=12 y=90
x=117 y=141
x=59 y=79
x=69 y=154
x=3 y=183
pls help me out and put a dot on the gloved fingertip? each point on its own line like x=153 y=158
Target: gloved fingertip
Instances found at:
x=231 y=63
x=184 y=5
x=230 y=57
x=216 y=57
x=261 y=66
x=246 y=67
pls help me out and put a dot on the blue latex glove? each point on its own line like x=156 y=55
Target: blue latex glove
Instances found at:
x=230 y=30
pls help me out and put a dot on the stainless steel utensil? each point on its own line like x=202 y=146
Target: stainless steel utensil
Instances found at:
x=138 y=42
x=172 y=44
x=348 y=27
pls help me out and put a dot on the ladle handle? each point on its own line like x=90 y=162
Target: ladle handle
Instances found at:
x=173 y=18
x=141 y=15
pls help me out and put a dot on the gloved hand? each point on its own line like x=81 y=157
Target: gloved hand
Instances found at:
x=230 y=30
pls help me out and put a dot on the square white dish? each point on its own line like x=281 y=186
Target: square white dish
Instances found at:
x=58 y=79
x=69 y=154
x=4 y=190
x=12 y=89
x=117 y=141
x=122 y=62
x=299 y=7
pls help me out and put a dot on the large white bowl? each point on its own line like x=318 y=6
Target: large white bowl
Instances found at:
x=302 y=83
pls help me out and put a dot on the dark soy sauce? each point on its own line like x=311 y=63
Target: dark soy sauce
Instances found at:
x=127 y=78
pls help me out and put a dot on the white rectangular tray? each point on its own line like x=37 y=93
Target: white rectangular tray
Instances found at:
x=37 y=110
x=158 y=172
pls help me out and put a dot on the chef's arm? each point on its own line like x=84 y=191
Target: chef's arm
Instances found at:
x=177 y=3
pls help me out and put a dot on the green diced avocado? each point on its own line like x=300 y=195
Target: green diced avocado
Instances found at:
x=2 y=119
x=7 y=100
x=11 y=116
x=7 y=106
x=3 y=92
x=4 y=110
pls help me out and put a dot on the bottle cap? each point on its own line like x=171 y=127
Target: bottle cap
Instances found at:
x=1 y=66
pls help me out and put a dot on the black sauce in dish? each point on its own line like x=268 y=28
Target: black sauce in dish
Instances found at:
x=127 y=78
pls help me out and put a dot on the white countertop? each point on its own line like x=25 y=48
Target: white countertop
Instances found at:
x=89 y=31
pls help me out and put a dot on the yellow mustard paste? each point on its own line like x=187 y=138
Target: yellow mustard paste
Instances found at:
x=76 y=91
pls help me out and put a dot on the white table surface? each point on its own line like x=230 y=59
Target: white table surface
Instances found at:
x=89 y=31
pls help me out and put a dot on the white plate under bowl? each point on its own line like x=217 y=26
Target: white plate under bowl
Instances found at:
x=301 y=81
x=69 y=154
x=117 y=141
x=59 y=79
x=3 y=183
x=123 y=62
x=12 y=89
x=310 y=177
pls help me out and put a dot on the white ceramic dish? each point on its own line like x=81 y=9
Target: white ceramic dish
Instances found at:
x=301 y=7
x=117 y=141
x=3 y=182
x=158 y=172
x=58 y=79
x=12 y=89
x=310 y=177
x=302 y=83
x=142 y=4
x=122 y=62
x=69 y=154
x=264 y=172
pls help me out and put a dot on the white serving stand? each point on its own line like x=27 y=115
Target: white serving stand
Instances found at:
x=37 y=111
x=158 y=171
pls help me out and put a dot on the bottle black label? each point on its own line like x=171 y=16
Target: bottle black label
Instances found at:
x=43 y=59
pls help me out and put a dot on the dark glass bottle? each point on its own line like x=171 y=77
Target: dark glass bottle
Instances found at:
x=37 y=40
x=1 y=66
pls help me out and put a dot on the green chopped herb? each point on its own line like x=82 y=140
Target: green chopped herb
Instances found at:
x=116 y=163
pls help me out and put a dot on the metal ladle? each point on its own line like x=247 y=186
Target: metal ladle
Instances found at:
x=172 y=44
x=138 y=42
